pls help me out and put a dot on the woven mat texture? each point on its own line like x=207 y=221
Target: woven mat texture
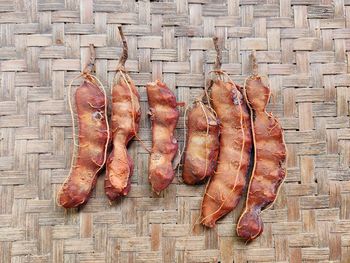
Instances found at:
x=302 y=45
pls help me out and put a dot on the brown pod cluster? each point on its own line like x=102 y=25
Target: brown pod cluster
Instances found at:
x=269 y=158
x=202 y=144
x=93 y=137
x=124 y=124
x=164 y=116
x=226 y=185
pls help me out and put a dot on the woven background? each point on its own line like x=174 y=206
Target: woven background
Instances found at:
x=301 y=44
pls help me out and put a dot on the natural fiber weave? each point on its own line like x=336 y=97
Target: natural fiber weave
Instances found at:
x=302 y=45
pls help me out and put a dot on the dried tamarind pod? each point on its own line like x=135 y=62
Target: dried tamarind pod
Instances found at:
x=124 y=124
x=93 y=138
x=269 y=158
x=164 y=116
x=226 y=186
x=202 y=144
x=125 y=119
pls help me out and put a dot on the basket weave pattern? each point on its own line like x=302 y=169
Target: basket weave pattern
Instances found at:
x=302 y=45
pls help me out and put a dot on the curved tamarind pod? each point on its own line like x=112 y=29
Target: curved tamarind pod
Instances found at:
x=164 y=116
x=91 y=105
x=226 y=185
x=202 y=147
x=125 y=119
x=269 y=157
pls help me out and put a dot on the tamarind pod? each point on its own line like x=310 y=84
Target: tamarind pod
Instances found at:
x=93 y=137
x=269 y=158
x=164 y=116
x=226 y=186
x=202 y=147
x=125 y=119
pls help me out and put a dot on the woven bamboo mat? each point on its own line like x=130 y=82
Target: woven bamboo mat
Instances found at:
x=302 y=45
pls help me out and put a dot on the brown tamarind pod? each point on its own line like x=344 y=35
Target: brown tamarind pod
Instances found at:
x=269 y=159
x=124 y=124
x=164 y=116
x=202 y=144
x=226 y=186
x=93 y=138
x=125 y=118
